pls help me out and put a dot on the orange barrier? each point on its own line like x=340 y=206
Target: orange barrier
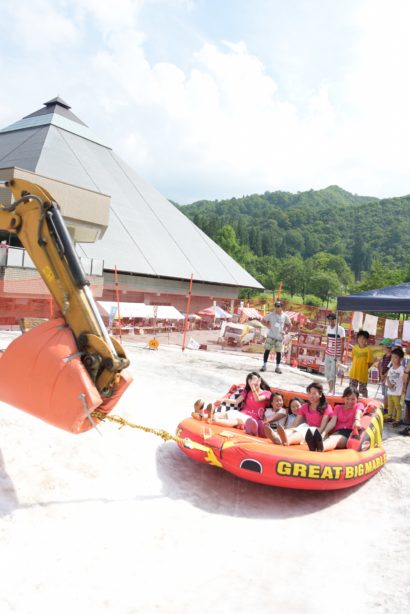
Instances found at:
x=41 y=373
x=259 y=460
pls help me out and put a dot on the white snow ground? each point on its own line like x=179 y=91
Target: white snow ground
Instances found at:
x=124 y=523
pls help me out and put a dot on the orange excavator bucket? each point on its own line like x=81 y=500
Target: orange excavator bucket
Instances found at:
x=41 y=372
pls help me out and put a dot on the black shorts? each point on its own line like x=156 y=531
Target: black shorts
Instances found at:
x=345 y=432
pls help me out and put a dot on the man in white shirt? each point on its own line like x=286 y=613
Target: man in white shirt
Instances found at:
x=334 y=350
x=278 y=324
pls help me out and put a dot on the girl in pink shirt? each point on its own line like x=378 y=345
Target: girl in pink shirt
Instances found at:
x=274 y=414
x=313 y=418
x=345 y=418
x=255 y=397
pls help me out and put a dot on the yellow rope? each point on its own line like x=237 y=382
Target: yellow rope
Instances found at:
x=122 y=422
x=186 y=442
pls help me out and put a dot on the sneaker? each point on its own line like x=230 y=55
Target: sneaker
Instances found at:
x=388 y=420
x=405 y=432
x=310 y=440
x=251 y=426
x=263 y=368
x=396 y=423
x=278 y=370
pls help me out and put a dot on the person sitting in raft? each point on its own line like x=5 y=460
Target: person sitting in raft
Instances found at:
x=313 y=417
x=255 y=397
x=200 y=411
x=274 y=414
x=294 y=405
x=345 y=418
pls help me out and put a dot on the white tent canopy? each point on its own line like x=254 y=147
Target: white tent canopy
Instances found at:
x=250 y=313
x=127 y=310
x=140 y=310
x=167 y=312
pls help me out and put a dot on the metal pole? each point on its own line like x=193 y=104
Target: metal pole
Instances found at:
x=118 y=301
x=187 y=311
x=335 y=352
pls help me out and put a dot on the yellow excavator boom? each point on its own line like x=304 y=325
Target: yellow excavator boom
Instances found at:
x=37 y=221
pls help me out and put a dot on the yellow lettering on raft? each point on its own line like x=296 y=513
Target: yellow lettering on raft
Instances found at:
x=299 y=470
x=349 y=472
x=327 y=473
x=310 y=471
x=284 y=468
x=354 y=471
x=314 y=471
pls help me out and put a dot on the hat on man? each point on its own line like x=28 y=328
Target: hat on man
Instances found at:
x=331 y=316
x=278 y=304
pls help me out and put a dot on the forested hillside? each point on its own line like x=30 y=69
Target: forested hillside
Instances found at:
x=357 y=242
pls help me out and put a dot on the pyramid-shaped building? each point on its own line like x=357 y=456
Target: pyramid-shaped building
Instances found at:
x=148 y=240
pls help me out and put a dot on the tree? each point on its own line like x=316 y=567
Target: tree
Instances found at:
x=324 y=284
x=292 y=274
x=226 y=238
x=361 y=256
x=380 y=277
x=294 y=242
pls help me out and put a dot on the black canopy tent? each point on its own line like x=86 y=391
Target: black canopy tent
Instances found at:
x=394 y=299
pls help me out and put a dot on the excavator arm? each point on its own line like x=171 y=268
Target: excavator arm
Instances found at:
x=37 y=221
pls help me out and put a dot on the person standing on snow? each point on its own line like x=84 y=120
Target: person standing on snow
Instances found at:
x=334 y=350
x=278 y=324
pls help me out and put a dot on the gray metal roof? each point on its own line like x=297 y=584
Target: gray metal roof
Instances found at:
x=58 y=106
x=146 y=233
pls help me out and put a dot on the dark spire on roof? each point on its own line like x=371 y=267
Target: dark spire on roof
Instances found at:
x=56 y=101
x=57 y=105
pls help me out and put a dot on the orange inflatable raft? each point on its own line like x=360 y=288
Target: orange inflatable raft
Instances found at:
x=259 y=460
x=41 y=373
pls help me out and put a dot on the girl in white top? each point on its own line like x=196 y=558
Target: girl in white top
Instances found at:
x=394 y=381
x=276 y=413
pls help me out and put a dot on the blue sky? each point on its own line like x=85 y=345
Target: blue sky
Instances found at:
x=213 y=99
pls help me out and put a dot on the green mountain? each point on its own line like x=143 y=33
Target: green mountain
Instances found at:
x=279 y=225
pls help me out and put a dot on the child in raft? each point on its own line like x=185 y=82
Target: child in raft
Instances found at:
x=200 y=411
x=345 y=418
x=313 y=417
x=256 y=397
x=274 y=414
x=294 y=405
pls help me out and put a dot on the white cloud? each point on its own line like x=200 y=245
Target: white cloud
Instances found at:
x=38 y=25
x=222 y=126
